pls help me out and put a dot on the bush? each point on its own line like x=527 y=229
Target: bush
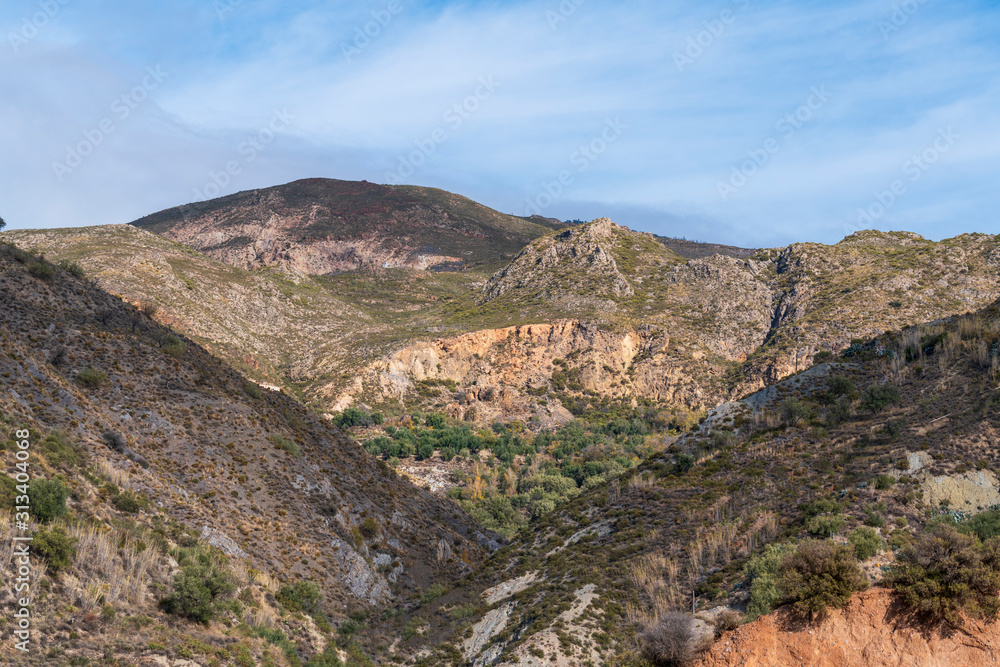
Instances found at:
x=127 y=502
x=825 y=525
x=837 y=386
x=944 y=572
x=883 y=482
x=866 y=542
x=353 y=417
x=984 y=525
x=41 y=269
x=878 y=397
x=369 y=528
x=48 y=499
x=55 y=546
x=174 y=346
x=198 y=589
x=286 y=444
x=820 y=574
x=822 y=357
x=90 y=377
x=72 y=268
x=726 y=621
x=793 y=411
x=670 y=640
x=838 y=412
x=301 y=596
x=762 y=576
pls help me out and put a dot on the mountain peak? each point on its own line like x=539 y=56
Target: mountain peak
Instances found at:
x=324 y=226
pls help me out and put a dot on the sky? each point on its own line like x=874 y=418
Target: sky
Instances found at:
x=744 y=122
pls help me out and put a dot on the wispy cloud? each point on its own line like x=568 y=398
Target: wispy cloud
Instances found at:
x=561 y=80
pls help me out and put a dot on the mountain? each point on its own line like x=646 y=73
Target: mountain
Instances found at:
x=323 y=226
x=626 y=317
x=170 y=459
x=893 y=432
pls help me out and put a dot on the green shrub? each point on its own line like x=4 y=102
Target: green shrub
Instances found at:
x=304 y=596
x=48 y=499
x=984 y=525
x=90 y=377
x=353 y=417
x=877 y=397
x=369 y=528
x=793 y=411
x=944 y=572
x=174 y=346
x=762 y=576
x=198 y=589
x=822 y=357
x=55 y=546
x=41 y=269
x=837 y=386
x=819 y=575
x=866 y=542
x=128 y=502
x=825 y=525
x=286 y=444
x=72 y=268
x=883 y=482
x=433 y=593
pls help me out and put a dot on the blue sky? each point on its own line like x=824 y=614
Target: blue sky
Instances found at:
x=736 y=121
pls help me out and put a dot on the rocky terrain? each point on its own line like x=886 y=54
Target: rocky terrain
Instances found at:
x=672 y=535
x=322 y=226
x=627 y=316
x=118 y=404
x=645 y=419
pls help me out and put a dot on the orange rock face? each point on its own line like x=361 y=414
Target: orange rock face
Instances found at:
x=871 y=631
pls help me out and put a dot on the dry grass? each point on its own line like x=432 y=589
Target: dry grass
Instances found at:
x=116 y=476
x=110 y=564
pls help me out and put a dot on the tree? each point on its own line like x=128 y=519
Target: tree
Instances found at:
x=2 y=223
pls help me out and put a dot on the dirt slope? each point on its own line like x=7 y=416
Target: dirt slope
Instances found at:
x=872 y=630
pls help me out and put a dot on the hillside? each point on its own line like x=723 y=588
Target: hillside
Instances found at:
x=170 y=459
x=324 y=226
x=892 y=434
x=605 y=314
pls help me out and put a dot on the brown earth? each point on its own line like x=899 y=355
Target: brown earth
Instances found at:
x=872 y=630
